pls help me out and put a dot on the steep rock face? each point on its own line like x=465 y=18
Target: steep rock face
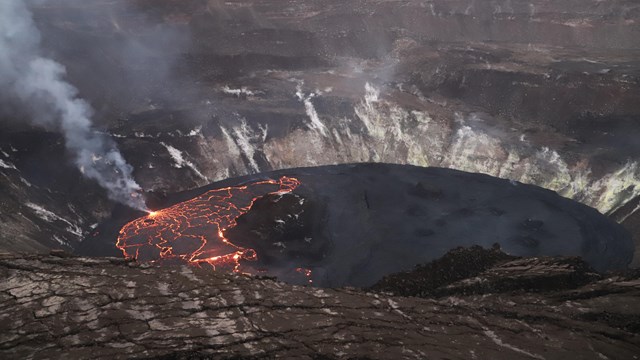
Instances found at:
x=196 y=91
x=61 y=306
x=46 y=203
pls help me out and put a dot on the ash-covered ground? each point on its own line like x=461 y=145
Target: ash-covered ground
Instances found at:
x=192 y=92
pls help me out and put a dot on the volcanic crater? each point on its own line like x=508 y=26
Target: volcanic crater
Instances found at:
x=433 y=178
x=352 y=224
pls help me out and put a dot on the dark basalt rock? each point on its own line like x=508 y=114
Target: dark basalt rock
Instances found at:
x=428 y=279
x=478 y=271
x=78 y=308
x=521 y=76
x=528 y=274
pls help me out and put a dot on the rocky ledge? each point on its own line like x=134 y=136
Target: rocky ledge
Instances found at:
x=473 y=303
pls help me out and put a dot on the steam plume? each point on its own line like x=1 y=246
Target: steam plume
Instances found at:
x=37 y=84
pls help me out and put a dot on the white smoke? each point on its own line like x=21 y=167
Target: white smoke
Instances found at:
x=37 y=84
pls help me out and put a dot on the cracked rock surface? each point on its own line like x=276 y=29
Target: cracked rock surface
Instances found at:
x=58 y=306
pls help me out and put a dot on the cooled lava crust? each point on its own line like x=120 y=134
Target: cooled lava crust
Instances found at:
x=353 y=224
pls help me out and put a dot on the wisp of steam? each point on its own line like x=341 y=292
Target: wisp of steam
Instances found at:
x=38 y=84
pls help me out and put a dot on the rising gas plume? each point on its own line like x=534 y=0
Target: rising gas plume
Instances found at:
x=36 y=83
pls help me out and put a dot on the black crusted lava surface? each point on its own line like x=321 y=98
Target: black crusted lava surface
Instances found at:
x=353 y=224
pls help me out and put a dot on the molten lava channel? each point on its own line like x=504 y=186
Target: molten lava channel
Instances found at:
x=194 y=230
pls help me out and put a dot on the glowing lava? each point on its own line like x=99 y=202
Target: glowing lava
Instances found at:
x=194 y=230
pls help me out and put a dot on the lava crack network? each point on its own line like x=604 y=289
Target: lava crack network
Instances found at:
x=194 y=230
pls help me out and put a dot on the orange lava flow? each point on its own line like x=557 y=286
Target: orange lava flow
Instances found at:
x=305 y=272
x=193 y=230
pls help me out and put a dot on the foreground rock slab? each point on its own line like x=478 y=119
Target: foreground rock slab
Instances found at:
x=55 y=306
